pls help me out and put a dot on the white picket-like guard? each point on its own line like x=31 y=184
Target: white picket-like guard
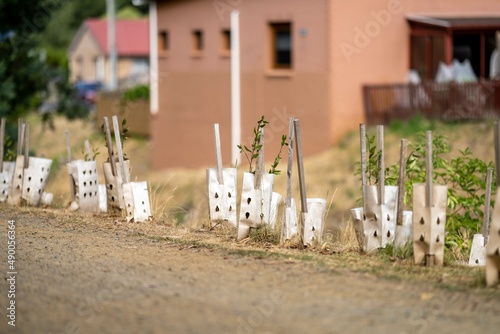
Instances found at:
x=291 y=226
x=6 y=177
x=478 y=251
x=137 y=201
x=255 y=203
x=6 y=167
x=86 y=187
x=404 y=231
x=429 y=223
x=222 y=197
x=368 y=230
x=103 y=198
x=135 y=194
x=35 y=179
x=16 y=186
x=314 y=220
x=276 y=200
x=114 y=185
x=379 y=219
x=357 y=222
x=429 y=215
x=375 y=222
x=493 y=246
x=478 y=248
x=221 y=184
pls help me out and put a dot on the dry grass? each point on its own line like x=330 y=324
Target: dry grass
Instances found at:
x=178 y=196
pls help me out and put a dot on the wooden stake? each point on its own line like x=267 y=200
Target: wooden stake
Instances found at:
x=118 y=141
x=68 y=152
x=218 y=154
x=20 y=136
x=291 y=140
x=300 y=167
x=88 y=151
x=27 y=146
x=428 y=169
x=487 y=205
x=109 y=143
x=362 y=141
x=496 y=130
x=2 y=142
x=381 y=165
x=259 y=167
x=288 y=199
x=302 y=181
x=68 y=146
x=401 y=182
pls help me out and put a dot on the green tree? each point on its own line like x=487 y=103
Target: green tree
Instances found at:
x=22 y=69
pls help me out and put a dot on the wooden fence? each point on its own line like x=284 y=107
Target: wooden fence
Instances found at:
x=444 y=101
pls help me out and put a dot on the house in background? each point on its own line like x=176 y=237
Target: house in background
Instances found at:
x=307 y=59
x=88 y=52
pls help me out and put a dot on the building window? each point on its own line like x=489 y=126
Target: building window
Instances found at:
x=197 y=40
x=163 y=41
x=226 y=40
x=426 y=54
x=281 y=45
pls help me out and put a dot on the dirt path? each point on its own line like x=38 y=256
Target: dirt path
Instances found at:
x=88 y=275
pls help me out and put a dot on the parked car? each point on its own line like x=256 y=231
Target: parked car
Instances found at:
x=87 y=91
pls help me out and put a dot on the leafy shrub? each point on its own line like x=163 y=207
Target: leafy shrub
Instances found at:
x=464 y=175
x=136 y=93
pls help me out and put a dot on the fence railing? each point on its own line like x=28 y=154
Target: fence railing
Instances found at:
x=444 y=101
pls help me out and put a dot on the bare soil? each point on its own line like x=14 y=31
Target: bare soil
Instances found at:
x=83 y=273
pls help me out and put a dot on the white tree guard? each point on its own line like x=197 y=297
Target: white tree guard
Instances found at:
x=404 y=231
x=375 y=224
x=314 y=220
x=16 y=186
x=114 y=185
x=86 y=187
x=380 y=220
x=255 y=203
x=429 y=223
x=478 y=251
x=136 y=199
x=276 y=200
x=6 y=179
x=292 y=224
x=222 y=197
x=103 y=198
x=493 y=246
x=357 y=222
x=34 y=180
